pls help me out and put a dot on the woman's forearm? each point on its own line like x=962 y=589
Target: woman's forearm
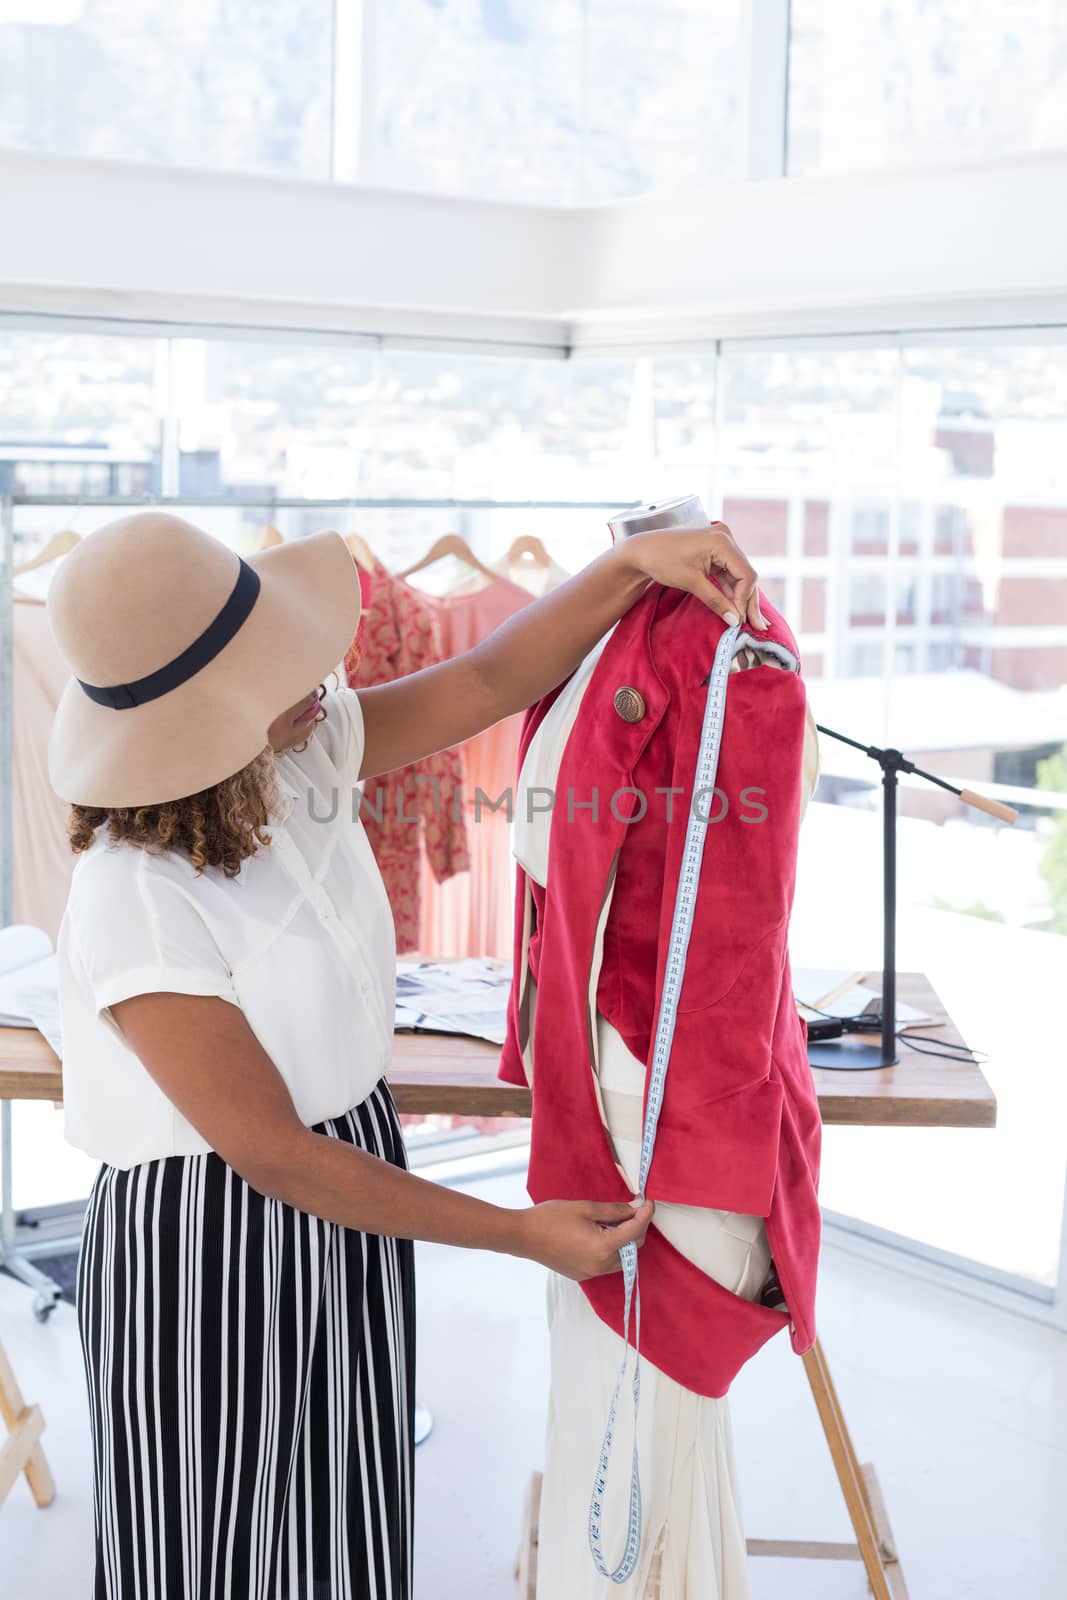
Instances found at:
x=331 y=1179
x=542 y=644
x=246 y=1115
x=534 y=650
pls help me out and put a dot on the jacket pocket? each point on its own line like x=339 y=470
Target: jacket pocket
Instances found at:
x=718 y=1151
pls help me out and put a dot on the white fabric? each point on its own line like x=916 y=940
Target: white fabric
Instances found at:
x=694 y=1546
x=302 y=940
x=728 y=1246
x=539 y=580
x=540 y=769
x=694 y=1542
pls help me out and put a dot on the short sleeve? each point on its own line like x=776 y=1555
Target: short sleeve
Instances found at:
x=341 y=735
x=139 y=930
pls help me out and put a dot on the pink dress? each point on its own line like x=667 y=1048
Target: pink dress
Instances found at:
x=413 y=816
x=471 y=915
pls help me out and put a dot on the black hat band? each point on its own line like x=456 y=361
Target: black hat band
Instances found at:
x=214 y=639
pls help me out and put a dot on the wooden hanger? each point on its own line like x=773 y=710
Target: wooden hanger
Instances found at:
x=269 y=538
x=450 y=544
x=58 y=545
x=362 y=554
x=528 y=550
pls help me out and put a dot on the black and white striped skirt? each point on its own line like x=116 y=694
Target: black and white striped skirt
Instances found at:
x=251 y=1384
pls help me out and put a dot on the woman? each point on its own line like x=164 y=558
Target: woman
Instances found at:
x=227 y=967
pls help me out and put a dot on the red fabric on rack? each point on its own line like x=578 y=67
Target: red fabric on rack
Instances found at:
x=419 y=807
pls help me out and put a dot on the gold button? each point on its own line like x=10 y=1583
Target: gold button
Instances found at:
x=629 y=704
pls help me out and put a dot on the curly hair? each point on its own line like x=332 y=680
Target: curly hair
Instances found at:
x=218 y=827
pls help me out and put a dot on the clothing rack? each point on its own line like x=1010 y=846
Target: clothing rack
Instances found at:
x=145 y=502
x=10 y=1257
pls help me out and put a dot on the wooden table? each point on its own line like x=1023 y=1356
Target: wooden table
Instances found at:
x=444 y=1073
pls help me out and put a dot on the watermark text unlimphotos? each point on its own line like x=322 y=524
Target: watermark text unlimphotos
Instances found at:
x=626 y=804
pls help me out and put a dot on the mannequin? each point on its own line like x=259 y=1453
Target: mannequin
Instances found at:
x=693 y=1538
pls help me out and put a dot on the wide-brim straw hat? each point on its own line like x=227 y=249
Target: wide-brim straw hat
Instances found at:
x=183 y=654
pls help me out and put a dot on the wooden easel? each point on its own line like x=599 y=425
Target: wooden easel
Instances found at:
x=21 y=1450
x=874 y=1545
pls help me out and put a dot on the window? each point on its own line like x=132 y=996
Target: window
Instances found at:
x=951 y=531
x=554 y=101
x=78 y=416
x=812 y=428
x=944 y=592
x=665 y=96
x=864 y=660
x=866 y=600
x=557 y=102
x=261 y=419
x=910 y=522
x=224 y=84
x=906 y=587
x=941 y=657
x=960 y=646
x=479 y=100
x=870 y=526
x=916 y=81
x=977 y=905
x=966 y=445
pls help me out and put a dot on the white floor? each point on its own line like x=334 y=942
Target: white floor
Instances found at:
x=962 y=1408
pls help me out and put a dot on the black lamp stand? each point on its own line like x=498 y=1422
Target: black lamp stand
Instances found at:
x=849 y=1053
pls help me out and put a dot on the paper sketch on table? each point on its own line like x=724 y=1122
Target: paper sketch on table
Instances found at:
x=27 y=973
x=468 y=997
x=842 y=993
x=42 y=1008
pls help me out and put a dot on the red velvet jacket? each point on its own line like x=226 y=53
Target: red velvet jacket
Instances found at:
x=739 y=1128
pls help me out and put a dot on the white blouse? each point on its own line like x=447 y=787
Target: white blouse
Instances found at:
x=302 y=940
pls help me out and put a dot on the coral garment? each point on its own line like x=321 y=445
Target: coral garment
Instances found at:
x=740 y=1128
x=419 y=807
x=472 y=915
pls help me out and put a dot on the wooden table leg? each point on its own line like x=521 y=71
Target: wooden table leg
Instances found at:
x=859 y=1484
x=526 y=1560
x=21 y=1451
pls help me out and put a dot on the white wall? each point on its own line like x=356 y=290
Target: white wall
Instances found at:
x=968 y=243
x=114 y=239
x=982 y=242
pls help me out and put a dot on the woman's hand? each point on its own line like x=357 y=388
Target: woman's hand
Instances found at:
x=689 y=558
x=247 y=1116
x=543 y=642
x=578 y=1238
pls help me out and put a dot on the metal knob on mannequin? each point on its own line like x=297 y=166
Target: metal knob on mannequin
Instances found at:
x=686 y=511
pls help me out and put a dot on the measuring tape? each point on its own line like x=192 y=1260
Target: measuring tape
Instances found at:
x=681 y=927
